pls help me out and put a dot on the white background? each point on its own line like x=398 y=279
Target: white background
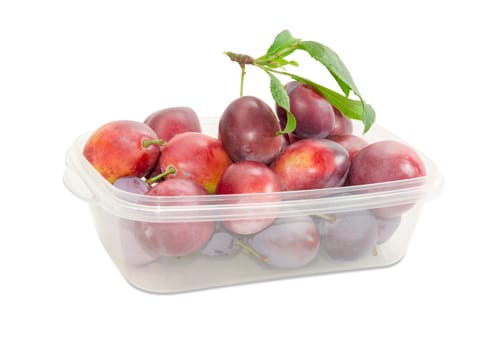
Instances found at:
x=431 y=69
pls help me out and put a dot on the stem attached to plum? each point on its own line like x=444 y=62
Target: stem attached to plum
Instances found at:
x=171 y=170
x=326 y=217
x=159 y=142
x=242 y=60
x=243 y=72
x=251 y=250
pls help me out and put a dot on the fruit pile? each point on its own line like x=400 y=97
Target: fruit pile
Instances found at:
x=306 y=143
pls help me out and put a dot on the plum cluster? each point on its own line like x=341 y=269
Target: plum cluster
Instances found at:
x=168 y=155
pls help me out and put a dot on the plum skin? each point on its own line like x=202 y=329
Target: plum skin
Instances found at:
x=342 y=124
x=196 y=157
x=314 y=114
x=312 y=164
x=116 y=149
x=175 y=238
x=248 y=129
x=222 y=244
x=288 y=243
x=352 y=143
x=385 y=161
x=350 y=236
x=250 y=177
x=169 y=122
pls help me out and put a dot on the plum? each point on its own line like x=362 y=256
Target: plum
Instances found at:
x=350 y=236
x=248 y=129
x=352 y=143
x=123 y=148
x=134 y=251
x=312 y=164
x=169 y=122
x=196 y=157
x=221 y=244
x=342 y=124
x=314 y=114
x=250 y=177
x=175 y=238
x=385 y=161
x=386 y=228
x=288 y=243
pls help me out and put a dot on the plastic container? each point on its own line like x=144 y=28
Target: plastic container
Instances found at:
x=119 y=216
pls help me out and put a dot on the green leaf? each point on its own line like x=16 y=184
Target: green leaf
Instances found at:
x=333 y=63
x=354 y=109
x=280 y=62
x=280 y=96
x=282 y=41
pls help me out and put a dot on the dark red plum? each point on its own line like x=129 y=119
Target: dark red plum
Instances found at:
x=171 y=121
x=248 y=129
x=176 y=238
x=280 y=112
x=312 y=164
x=350 y=236
x=250 y=177
x=314 y=114
x=342 y=124
x=288 y=243
x=352 y=143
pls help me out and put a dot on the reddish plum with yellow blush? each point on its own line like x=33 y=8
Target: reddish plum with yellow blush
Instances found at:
x=250 y=177
x=197 y=157
x=312 y=164
x=122 y=148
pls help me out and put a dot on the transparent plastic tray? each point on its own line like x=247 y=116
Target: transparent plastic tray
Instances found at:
x=117 y=216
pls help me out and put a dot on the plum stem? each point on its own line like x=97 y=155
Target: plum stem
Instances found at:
x=243 y=72
x=326 y=217
x=239 y=58
x=171 y=170
x=251 y=250
x=242 y=60
x=159 y=142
